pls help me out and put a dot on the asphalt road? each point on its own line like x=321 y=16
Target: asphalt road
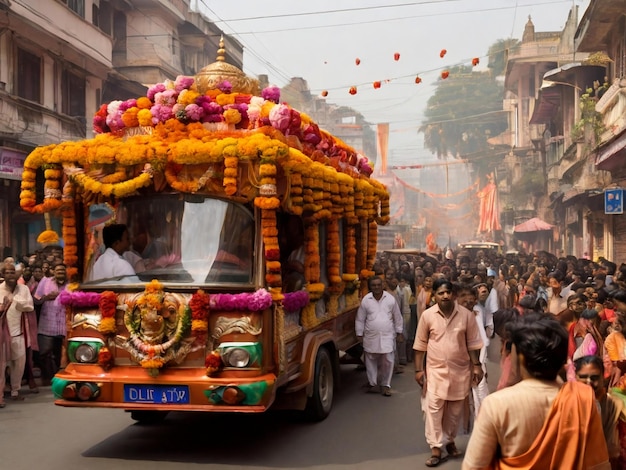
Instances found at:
x=364 y=431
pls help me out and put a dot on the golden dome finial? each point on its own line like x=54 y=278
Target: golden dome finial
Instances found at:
x=221 y=52
x=211 y=76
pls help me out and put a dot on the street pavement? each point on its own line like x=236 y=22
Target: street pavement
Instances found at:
x=364 y=431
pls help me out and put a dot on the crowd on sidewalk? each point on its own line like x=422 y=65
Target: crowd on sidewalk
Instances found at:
x=32 y=321
x=558 y=321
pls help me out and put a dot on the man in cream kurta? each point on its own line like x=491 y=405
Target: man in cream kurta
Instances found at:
x=378 y=322
x=16 y=300
x=448 y=334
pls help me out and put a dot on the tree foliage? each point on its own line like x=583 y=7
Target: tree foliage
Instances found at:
x=466 y=109
x=498 y=53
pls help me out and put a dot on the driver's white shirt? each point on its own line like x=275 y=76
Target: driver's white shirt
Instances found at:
x=110 y=264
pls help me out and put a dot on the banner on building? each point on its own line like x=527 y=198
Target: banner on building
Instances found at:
x=614 y=201
x=11 y=163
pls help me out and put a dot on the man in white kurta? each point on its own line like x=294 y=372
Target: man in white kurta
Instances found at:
x=16 y=300
x=378 y=323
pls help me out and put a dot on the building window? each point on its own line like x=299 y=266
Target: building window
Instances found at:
x=73 y=94
x=95 y=15
x=77 y=6
x=105 y=18
x=28 y=65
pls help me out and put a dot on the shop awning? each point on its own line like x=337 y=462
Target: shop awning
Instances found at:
x=608 y=156
x=533 y=225
x=547 y=105
x=576 y=74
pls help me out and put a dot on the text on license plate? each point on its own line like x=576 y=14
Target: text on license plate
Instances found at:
x=156 y=394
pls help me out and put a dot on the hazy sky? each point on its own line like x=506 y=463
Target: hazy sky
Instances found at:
x=321 y=40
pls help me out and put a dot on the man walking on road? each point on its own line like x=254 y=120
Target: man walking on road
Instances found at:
x=52 y=326
x=448 y=335
x=378 y=323
x=16 y=302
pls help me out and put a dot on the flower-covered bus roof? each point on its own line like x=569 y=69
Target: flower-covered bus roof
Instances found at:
x=194 y=140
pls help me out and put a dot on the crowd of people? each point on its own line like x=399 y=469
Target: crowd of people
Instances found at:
x=560 y=322
x=561 y=325
x=32 y=321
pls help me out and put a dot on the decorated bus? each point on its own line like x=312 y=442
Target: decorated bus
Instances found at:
x=252 y=233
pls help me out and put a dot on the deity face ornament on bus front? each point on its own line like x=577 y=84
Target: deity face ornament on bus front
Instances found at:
x=158 y=324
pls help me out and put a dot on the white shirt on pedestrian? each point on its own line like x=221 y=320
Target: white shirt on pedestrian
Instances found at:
x=378 y=322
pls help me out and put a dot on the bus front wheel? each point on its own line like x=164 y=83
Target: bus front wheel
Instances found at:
x=320 y=402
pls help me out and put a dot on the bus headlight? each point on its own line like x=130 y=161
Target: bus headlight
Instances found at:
x=85 y=353
x=237 y=357
x=84 y=350
x=241 y=354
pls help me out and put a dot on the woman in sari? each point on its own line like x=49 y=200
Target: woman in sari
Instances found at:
x=584 y=340
x=615 y=342
x=590 y=370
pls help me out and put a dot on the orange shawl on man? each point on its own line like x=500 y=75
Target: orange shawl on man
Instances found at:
x=571 y=437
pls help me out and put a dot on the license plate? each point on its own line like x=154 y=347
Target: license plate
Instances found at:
x=158 y=394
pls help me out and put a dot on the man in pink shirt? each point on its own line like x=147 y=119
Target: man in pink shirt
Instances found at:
x=52 y=324
x=448 y=335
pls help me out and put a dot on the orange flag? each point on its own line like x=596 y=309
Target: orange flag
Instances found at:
x=382 y=132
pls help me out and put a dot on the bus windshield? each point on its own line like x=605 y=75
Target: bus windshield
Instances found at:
x=180 y=239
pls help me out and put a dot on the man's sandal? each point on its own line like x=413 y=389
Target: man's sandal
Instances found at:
x=452 y=451
x=435 y=460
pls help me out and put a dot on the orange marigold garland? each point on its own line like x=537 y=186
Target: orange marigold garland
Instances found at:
x=359 y=199
x=296 y=193
x=272 y=252
x=199 y=305
x=311 y=253
x=213 y=362
x=333 y=255
x=52 y=188
x=346 y=189
x=362 y=251
x=108 y=307
x=230 y=174
x=267 y=199
x=350 y=251
x=372 y=243
x=308 y=317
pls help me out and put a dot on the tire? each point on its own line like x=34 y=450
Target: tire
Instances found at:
x=321 y=402
x=148 y=416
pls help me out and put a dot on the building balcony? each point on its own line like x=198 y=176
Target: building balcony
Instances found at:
x=33 y=125
x=534 y=50
x=64 y=33
x=612 y=106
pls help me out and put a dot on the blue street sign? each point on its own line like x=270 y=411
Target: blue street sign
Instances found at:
x=613 y=201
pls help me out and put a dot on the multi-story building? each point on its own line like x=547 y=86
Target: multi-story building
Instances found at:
x=60 y=59
x=603 y=31
x=545 y=76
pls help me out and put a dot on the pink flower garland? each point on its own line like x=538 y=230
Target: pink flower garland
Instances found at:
x=257 y=301
x=294 y=301
x=79 y=299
